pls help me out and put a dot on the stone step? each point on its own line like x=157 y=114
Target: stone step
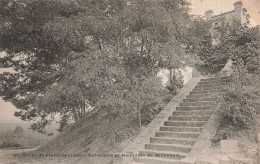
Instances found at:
x=178 y=141
x=199 y=100
x=154 y=160
x=211 y=88
x=216 y=78
x=211 y=85
x=185 y=123
x=207 y=91
x=201 y=103
x=182 y=135
x=162 y=154
x=204 y=95
x=187 y=108
x=189 y=118
x=193 y=112
x=214 y=82
x=168 y=147
x=180 y=129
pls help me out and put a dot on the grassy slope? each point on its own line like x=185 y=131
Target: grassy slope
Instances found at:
x=91 y=135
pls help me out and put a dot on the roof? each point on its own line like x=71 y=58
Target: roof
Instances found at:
x=214 y=16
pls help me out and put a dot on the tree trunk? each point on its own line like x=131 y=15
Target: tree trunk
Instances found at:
x=142 y=46
x=139 y=117
x=83 y=104
x=111 y=129
x=172 y=74
x=84 y=107
x=79 y=109
x=100 y=44
x=170 y=77
x=76 y=116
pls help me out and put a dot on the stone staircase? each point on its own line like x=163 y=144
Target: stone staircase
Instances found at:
x=174 y=140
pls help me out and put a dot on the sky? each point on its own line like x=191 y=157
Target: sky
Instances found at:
x=7 y=113
x=198 y=7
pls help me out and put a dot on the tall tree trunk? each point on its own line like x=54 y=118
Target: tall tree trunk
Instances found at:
x=83 y=107
x=100 y=44
x=142 y=46
x=111 y=128
x=139 y=116
x=76 y=116
x=79 y=109
x=150 y=47
x=174 y=73
x=170 y=75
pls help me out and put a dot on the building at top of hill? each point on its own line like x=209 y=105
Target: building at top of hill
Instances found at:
x=238 y=16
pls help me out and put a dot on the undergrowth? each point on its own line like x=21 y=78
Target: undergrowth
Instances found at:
x=239 y=107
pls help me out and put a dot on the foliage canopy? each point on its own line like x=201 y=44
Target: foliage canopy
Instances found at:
x=70 y=57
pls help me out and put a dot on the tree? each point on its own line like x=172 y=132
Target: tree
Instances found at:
x=38 y=55
x=214 y=57
x=160 y=37
x=245 y=55
x=72 y=56
x=34 y=56
x=145 y=91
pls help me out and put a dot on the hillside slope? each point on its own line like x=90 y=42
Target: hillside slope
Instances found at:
x=89 y=136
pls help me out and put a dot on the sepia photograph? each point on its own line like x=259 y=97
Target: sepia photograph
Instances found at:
x=129 y=81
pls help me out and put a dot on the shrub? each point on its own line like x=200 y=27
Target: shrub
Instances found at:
x=175 y=83
x=239 y=106
x=9 y=145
